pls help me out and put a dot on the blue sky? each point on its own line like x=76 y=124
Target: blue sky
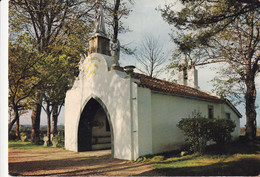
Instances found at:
x=145 y=20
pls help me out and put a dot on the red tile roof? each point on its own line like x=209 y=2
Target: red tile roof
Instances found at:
x=173 y=88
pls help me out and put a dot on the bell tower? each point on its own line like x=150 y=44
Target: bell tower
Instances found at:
x=99 y=43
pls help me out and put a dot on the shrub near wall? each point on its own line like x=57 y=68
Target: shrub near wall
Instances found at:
x=221 y=130
x=199 y=131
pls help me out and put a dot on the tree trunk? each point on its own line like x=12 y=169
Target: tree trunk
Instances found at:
x=48 y=112
x=250 y=98
x=17 y=132
x=16 y=117
x=115 y=20
x=36 y=119
x=54 y=120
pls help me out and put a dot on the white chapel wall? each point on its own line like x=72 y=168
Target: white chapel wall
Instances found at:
x=167 y=111
x=144 y=121
x=95 y=81
x=234 y=117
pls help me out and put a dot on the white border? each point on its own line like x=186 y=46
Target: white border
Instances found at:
x=3 y=87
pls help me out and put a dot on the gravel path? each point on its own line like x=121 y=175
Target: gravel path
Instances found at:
x=59 y=162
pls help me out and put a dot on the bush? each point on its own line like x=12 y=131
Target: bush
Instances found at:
x=221 y=130
x=200 y=131
x=12 y=135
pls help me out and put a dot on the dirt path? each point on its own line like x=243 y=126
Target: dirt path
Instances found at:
x=59 y=162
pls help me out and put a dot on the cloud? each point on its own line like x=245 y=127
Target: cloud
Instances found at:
x=145 y=20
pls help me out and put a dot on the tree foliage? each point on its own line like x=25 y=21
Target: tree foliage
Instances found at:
x=22 y=75
x=58 y=31
x=214 y=15
x=228 y=85
x=187 y=54
x=48 y=21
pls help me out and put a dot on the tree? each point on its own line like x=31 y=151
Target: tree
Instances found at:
x=56 y=109
x=228 y=85
x=55 y=87
x=187 y=48
x=22 y=80
x=228 y=32
x=116 y=10
x=35 y=117
x=202 y=13
x=151 y=56
x=50 y=24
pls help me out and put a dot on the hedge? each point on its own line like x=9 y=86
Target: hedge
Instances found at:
x=200 y=131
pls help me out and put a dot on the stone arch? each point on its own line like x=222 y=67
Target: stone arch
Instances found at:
x=93 y=106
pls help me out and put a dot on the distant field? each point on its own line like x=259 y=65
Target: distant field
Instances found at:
x=242 y=131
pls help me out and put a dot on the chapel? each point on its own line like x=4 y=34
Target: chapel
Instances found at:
x=133 y=114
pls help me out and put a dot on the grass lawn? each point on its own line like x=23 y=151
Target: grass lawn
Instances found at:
x=239 y=158
x=25 y=145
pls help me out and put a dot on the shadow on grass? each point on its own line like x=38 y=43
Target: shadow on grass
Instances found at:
x=242 y=146
x=47 y=165
x=239 y=158
x=241 y=167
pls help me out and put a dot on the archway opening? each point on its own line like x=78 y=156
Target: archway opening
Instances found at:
x=94 y=131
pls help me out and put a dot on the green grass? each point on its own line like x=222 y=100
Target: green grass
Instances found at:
x=227 y=165
x=240 y=158
x=202 y=160
x=24 y=145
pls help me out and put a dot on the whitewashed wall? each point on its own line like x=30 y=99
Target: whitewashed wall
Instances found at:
x=113 y=89
x=168 y=110
x=234 y=117
x=144 y=121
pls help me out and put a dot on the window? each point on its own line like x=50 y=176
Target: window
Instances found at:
x=210 y=111
x=227 y=115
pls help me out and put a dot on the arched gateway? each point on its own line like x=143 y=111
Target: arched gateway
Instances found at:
x=95 y=130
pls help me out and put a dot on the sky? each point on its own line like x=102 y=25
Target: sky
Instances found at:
x=145 y=20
